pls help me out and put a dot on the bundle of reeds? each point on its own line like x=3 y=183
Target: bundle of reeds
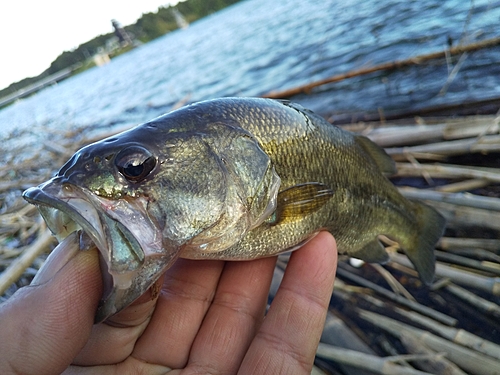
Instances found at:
x=382 y=319
x=25 y=241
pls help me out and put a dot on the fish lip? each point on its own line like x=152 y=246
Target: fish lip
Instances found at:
x=61 y=217
x=67 y=208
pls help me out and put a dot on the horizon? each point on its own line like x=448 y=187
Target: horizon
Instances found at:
x=40 y=29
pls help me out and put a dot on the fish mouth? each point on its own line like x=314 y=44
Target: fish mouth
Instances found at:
x=130 y=244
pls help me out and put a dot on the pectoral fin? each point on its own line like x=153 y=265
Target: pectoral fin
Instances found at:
x=300 y=200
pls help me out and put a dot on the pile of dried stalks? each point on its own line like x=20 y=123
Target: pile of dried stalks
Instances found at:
x=382 y=321
x=25 y=240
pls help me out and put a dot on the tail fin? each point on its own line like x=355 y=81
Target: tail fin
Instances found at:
x=421 y=250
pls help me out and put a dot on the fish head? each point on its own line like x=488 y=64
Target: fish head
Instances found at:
x=100 y=191
x=145 y=195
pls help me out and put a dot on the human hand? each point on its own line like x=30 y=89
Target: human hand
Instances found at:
x=205 y=317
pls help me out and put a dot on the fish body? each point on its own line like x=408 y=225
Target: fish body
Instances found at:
x=231 y=179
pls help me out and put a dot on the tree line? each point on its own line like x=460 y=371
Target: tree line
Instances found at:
x=145 y=29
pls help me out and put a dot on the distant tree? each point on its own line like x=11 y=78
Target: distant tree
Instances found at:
x=152 y=26
x=148 y=27
x=92 y=46
x=201 y=8
x=65 y=60
x=167 y=15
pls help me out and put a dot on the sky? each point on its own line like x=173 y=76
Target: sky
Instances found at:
x=33 y=32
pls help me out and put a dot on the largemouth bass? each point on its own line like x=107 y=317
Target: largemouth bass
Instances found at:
x=231 y=179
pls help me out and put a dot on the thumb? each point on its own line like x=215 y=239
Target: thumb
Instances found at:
x=43 y=327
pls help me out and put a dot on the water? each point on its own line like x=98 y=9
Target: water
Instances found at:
x=257 y=46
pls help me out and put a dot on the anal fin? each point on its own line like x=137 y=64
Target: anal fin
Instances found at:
x=372 y=252
x=421 y=249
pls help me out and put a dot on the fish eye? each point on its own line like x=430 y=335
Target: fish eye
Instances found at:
x=135 y=163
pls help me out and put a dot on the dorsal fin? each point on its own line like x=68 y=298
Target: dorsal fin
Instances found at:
x=377 y=153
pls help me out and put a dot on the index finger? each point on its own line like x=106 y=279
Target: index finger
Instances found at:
x=287 y=340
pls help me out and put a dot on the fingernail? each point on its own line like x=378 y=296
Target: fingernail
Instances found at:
x=57 y=259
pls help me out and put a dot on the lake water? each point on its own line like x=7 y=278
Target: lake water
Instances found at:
x=259 y=45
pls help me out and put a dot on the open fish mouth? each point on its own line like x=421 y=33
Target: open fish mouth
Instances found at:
x=131 y=251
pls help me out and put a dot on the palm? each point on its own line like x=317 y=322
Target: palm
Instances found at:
x=208 y=318
x=206 y=315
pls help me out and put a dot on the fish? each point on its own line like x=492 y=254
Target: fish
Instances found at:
x=231 y=179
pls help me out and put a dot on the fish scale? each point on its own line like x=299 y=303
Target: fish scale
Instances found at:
x=305 y=148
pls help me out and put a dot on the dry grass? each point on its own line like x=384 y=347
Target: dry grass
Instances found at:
x=25 y=241
x=383 y=312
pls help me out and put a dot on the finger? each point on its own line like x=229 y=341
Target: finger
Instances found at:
x=188 y=289
x=287 y=340
x=43 y=327
x=234 y=317
x=130 y=366
x=122 y=330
